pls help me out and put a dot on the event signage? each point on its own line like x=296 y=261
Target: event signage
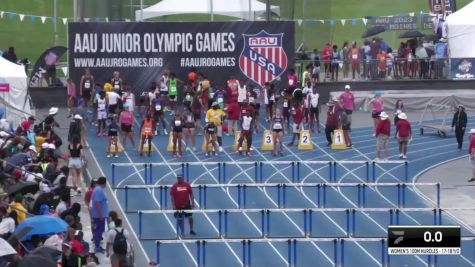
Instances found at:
x=427 y=22
x=442 y=6
x=257 y=52
x=395 y=22
x=462 y=68
x=49 y=59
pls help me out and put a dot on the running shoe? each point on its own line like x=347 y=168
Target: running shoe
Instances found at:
x=174 y=155
x=108 y=155
x=116 y=155
x=180 y=155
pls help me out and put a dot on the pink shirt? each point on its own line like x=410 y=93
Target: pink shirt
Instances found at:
x=292 y=80
x=378 y=105
x=72 y=90
x=347 y=98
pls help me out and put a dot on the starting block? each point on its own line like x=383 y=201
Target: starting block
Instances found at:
x=237 y=134
x=338 y=142
x=119 y=146
x=145 y=146
x=203 y=147
x=305 y=141
x=267 y=141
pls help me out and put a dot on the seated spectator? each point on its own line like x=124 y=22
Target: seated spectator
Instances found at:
x=63 y=189
x=63 y=205
x=17 y=206
x=10 y=55
x=74 y=212
x=7 y=224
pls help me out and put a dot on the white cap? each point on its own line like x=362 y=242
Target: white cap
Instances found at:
x=44 y=145
x=383 y=115
x=51 y=146
x=32 y=148
x=53 y=110
x=402 y=116
x=3 y=134
x=77 y=117
x=347 y=87
x=472 y=131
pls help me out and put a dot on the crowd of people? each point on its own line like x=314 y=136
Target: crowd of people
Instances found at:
x=374 y=59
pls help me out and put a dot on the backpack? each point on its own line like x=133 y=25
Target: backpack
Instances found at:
x=120 y=243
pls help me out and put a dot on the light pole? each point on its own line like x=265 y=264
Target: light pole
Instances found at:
x=55 y=26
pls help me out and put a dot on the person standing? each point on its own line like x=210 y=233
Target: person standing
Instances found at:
x=112 y=133
x=297 y=116
x=158 y=107
x=471 y=152
x=146 y=133
x=313 y=101
x=347 y=100
x=327 y=53
x=292 y=80
x=355 y=60
x=335 y=67
x=233 y=111
x=377 y=105
x=182 y=199
x=216 y=116
x=177 y=131
x=126 y=121
x=189 y=128
x=99 y=212
x=383 y=131
x=119 y=250
x=403 y=134
x=117 y=83
x=332 y=122
x=346 y=126
x=246 y=133
x=101 y=114
x=72 y=94
x=460 y=123
x=75 y=162
x=86 y=85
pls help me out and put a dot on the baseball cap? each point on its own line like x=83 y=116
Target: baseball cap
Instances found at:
x=347 y=87
x=32 y=148
x=77 y=117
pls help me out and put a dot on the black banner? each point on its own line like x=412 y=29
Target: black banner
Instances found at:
x=462 y=68
x=49 y=59
x=395 y=23
x=141 y=52
x=427 y=22
x=442 y=6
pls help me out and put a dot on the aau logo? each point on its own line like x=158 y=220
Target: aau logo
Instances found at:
x=263 y=59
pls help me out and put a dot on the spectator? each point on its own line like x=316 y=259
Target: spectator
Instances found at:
x=73 y=211
x=99 y=209
x=459 y=121
x=355 y=58
x=292 y=80
x=403 y=134
x=336 y=59
x=366 y=49
x=10 y=55
x=118 y=247
x=75 y=128
x=78 y=245
x=383 y=131
x=345 y=56
x=72 y=96
x=75 y=163
x=471 y=152
x=17 y=206
x=62 y=206
x=7 y=224
x=327 y=53
x=381 y=59
x=62 y=188
x=182 y=199
x=111 y=219
x=389 y=63
x=70 y=221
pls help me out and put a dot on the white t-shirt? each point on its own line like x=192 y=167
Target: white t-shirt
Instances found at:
x=62 y=206
x=242 y=93
x=113 y=97
x=246 y=122
x=306 y=90
x=151 y=97
x=7 y=225
x=111 y=236
x=313 y=99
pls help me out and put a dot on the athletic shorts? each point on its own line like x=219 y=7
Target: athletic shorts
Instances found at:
x=101 y=115
x=349 y=111
x=296 y=128
x=375 y=114
x=197 y=116
x=126 y=128
x=182 y=212
x=277 y=130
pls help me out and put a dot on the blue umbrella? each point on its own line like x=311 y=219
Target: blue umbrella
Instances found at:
x=42 y=225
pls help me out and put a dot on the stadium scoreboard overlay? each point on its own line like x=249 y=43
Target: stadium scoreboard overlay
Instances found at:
x=424 y=240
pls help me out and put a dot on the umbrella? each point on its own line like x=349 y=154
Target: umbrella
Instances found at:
x=373 y=31
x=24 y=188
x=18 y=235
x=6 y=248
x=411 y=34
x=42 y=225
x=46 y=251
x=37 y=260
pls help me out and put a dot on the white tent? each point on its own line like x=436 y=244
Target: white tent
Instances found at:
x=16 y=101
x=244 y=9
x=461 y=32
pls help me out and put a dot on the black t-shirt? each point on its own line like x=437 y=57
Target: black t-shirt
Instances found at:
x=49 y=119
x=75 y=150
x=113 y=129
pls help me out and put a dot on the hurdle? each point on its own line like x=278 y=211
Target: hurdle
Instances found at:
x=307 y=215
x=282 y=188
x=333 y=170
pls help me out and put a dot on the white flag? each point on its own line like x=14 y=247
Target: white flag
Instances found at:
x=343 y=21
x=1 y=14
x=21 y=16
x=43 y=19
x=322 y=21
x=127 y=20
x=86 y=19
x=65 y=20
x=412 y=14
x=65 y=70
x=299 y=21
x=365 y=20
x=107 y=19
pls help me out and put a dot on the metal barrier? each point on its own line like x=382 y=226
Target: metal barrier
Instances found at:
x=259 y=168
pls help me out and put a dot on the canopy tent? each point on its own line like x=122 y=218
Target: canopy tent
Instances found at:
x=461 y=32
x=244 y=9
x=16 y=101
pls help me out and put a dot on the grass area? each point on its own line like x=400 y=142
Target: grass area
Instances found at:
x=30 y=39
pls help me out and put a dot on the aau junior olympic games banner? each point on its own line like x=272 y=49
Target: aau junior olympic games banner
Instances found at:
x=141 y=51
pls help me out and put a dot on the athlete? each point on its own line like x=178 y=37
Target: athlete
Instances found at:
x=277 y=126
x=86 y=85
x=312 y=99
x=246 y=126
x=177 y=130
x=146 y=131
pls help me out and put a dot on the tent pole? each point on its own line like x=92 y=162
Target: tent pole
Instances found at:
x=212 y=9
x=55 y=26
x=250 y=11
x=141 y=10
x=268 y=10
